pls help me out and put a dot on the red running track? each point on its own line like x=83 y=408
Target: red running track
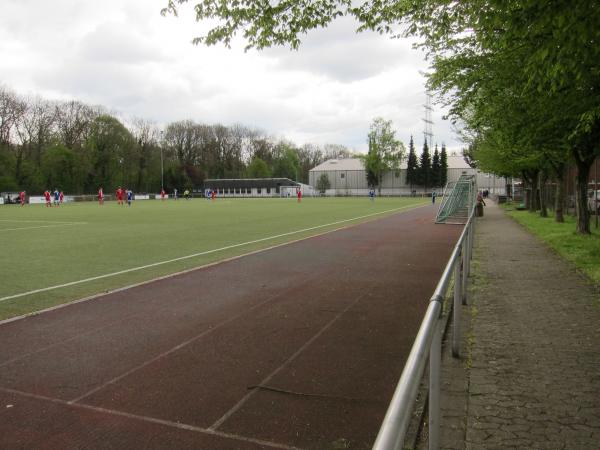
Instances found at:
x=300 y=346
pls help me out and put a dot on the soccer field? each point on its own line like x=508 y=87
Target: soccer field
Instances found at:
x=56 y=255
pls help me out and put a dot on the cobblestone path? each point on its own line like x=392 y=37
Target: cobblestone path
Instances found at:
x=530 y=372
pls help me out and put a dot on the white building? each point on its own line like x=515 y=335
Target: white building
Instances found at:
x=348 y=177
x=485 y=181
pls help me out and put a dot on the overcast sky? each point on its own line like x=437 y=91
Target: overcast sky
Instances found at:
x=123 y=55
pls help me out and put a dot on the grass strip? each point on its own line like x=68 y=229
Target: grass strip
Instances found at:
x=581 y=250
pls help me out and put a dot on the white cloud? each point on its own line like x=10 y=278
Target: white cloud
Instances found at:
x=126 y=57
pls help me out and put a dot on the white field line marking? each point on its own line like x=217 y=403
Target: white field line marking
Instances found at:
x=194 y=255
x=165 y=277
x=154 y=420
x=41 y=221
x=268 y=378
x=41 y=226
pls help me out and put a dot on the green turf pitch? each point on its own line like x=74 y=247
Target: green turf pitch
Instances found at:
x=47 y=247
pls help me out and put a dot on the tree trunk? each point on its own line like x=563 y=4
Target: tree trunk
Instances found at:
x=532 y=198
x=18 y=166
x=535 y=198
x=542 y=195
x=559 y=201
x=581 y=206
x=527 y=193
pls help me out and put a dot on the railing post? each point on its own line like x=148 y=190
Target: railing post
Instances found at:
x=456 y=309
x=435 y=362
x=469 y=255
x=465 y=265
x=472 y=240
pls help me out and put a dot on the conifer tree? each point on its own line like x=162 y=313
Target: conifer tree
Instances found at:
x=443 y=166
x=412 y=165
x=436 y=168
x=425 y=167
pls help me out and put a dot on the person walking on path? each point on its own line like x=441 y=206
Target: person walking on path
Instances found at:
x=532 y=346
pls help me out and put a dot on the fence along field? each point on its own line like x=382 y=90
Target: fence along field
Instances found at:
x=60 y=254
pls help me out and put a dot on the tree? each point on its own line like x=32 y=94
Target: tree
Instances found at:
x=12 y=108
x=425 y=167
x=371 y=162
x=109 y=142
x=261 y=23
x=527 y=57
x=323 y=183
x=35 y=128
x=385 y=151
x=286 y=165
x=62 y=169
x=412 y=165
x=443 y=166
x=7 y=179
x=73 y=120
x=309 y=156
x=436 y=168
x=469 y=156
x=336 y=151
x=146 y=135
x=258 y=169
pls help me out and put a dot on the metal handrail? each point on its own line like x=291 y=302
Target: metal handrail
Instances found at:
x=429 y=342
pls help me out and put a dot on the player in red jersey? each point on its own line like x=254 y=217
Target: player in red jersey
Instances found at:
x=47 y=196
x=162 y=194
x=120 y=196
x=100 y=196
x=22 y=198
x=61 y=197
x=299 y=194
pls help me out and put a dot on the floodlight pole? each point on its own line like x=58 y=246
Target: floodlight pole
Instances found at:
x=162 y=176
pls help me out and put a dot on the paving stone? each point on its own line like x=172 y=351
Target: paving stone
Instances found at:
x=529 y=376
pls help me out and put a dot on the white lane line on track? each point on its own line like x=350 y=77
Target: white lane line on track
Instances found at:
x=268 y=378
x=154 y=420
x=194 y=255
x=174 y=349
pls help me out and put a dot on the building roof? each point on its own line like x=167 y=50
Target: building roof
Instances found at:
x=345 y=164
x=340 y=164
x=455 y=161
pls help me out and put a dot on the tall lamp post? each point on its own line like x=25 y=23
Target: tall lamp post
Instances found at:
x=162 y=176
